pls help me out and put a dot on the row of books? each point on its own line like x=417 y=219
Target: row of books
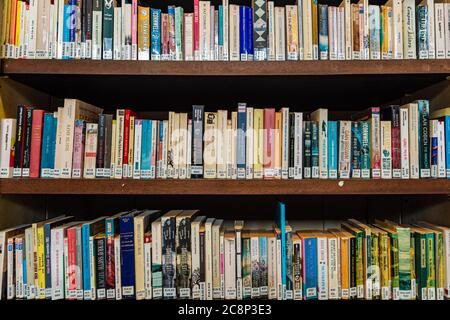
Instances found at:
x=79 y=141
x=131 y=30
x=182 y=254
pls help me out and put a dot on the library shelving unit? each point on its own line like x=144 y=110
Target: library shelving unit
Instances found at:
x=156 y=87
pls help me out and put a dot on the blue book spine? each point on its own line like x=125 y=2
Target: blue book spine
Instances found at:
x=48 y=260
x=156 y=34
x=46 y=149
x=24 y=268
x=447 y=145
x=281 y=220
x=146 y=148
x=242 y=33
x=249 y=32
x=127 y=255
x=323 y=31
x=332 y=149
x=85 y=231
x=53 y=144
x=241 y=129
x=66 y=31
x=422 y=31
x=310 y=269
x=220 y=40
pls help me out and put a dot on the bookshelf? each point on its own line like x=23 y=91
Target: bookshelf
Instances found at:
x=223 y=187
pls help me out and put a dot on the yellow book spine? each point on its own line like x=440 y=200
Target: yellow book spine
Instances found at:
x=315 y=30
x=384 y=266
x=139 y=258
x=41 y=263
x=384 y=32
x=18 y=25
x=131 y=147
x=345 y=283
x=143 y=33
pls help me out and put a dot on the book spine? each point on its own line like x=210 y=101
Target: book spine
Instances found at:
x=323 y=31
x=240 y=146
x=169 y=258
x=365 y=149
x=85 y=238
x=439 y=13
x=19 y=141
x=332 y=149
x=249 y=143
x=269 y=144
x=422 y=31
x=298 y=145
x=356 y=150
x=447 y=144
x=110 y=258
x=307 y=145
x=315 y=150
x=118 y=267
x=285 y=136
x=246 y=269
x=434 y=136
x=310 y=269
x=57 y=258
x=100 y=270
x=148 y=266
x=107 y=29
x=36 y=141
x=97 y=28
x=409 y=29
x=386 y=149
x=254 y=271
x=345 y=148
x=291 y=173
x=27 y=143
x=424 y=138
x=280 y=33
x=90 y=152
x=127 y=257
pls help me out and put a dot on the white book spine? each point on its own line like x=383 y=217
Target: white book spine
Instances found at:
x=280 y=34
x=8 y=131
x=344 y=149
x=230 y=268
x=208 y=261
x=10 y=274
x=97 y=38
x=205 y=30
x=272 y=267
x=195 y=249
x=348 y=29
x=413 y=140
x=225 y=50
x=117 y=269
x=189 y=150
x=32 y=27
x=298 y=145
x=249 y=145
x=137 y=150
x=333 y=269
x=117 y=38
x=285 y=143
x=386 y=157
x=229 y=150
x=431 y=30
x=447 y=29
x=148 y=270
x=404 y=142
x=222 y=144
x=19 y=268
x=409 y=29
x=271 y=55
x=234 y=33
x=440 y=30
x=57 y=270
x=397 y=32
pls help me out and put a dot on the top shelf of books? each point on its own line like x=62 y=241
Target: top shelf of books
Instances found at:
x=225 y=68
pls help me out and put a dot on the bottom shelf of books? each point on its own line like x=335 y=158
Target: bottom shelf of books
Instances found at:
x=151 y=254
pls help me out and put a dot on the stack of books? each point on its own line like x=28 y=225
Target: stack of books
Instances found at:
x=132 y=30
x=182 y=254
x=80 y=141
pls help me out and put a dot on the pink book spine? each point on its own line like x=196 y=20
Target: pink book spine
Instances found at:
x=78 y=149
x=36 y=140
x=154 y=145
x=196 y=31
x=134 y=10
x=269 y=142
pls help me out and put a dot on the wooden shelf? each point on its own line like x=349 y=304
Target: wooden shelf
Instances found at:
x=223 y=187
x=227 y=68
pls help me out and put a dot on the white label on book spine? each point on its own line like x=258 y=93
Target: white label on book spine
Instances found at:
x=185 y=293
x=101 y=294
x=128 y=291
x=170 y=293
x=110 y=294
x=157 y=293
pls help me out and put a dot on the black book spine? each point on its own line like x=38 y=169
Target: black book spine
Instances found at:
x=356 y=150
x=87 y=27
x=108 y=141
x=307 y=149
x=291 y=145
x=352 y=267
x=100 y=256
x=27 y=142
x=314 y=149
x=197 y=142
x=100 y=161
x=19 y=143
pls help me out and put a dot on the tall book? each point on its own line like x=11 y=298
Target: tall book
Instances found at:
x=321 y=116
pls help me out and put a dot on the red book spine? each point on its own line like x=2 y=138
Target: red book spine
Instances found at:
x=269 y=143
x=72 y=262
x=395 y=132
x=36 y=141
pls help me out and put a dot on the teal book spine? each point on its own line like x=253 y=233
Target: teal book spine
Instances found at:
x=179 y=17
x=332 y=149
x=146 y=149
x=108 y=27
x=281 y=221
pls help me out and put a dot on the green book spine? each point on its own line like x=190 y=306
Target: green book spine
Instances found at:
x=108 y=26
x=440 y=265
x=431 y=274
x=421 y=265
x=359 y=266
x=395 y=274
x=179 y=17
x=404 y=263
